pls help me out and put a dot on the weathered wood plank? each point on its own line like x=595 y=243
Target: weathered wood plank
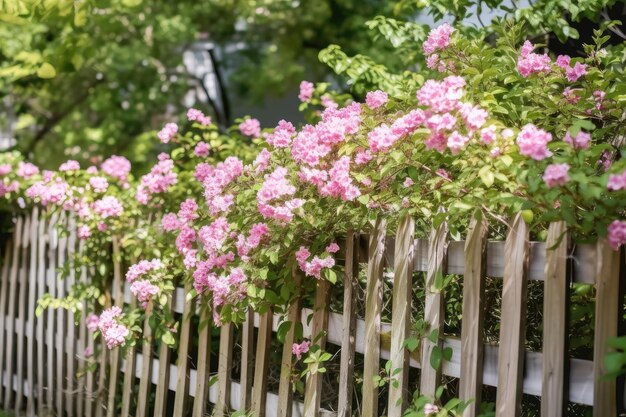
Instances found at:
x=319 y=335
x=433 y=307
x=42 y=319
x=606 y=320
x=60 y=316
x=247 y=363
x=21 y=313
x=224 y=366
x=471 y=381
x=118 y=300
x=285 y=389
x=203 y=368
x=4 y=289
x=145 y=383
x=400 y=319
x=182 y=378
x=512 y=322
x=555 y=308
x=33 y=382
x=129 y=375
x=163 y=379
x=11 y=313
x=373 y=307
x=71 y=394
x=348 y=337
x=259 y=389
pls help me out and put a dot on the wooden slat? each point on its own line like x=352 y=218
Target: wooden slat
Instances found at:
x=118 y=300
x=21 y=308
x=143 y=395
x=319 y=331
x=4 y=289
x=60 y=316
x=555 y=322
x=471 y=382
x=182 y=385
x=82 y=400
x=224 y=366
x=103 y=361
x=373 y=307
x=285 y=389
x=348 y=338
x=512 y=322
x=129 y=375
x=247 y=363
x=163 y=381
x=400 y=320
x=259 y=389
x=607 y=315
x=35 y=238
x=204 y=365
x=71 y=397
x=42 y=319
x=433 y=308
x=10 y=327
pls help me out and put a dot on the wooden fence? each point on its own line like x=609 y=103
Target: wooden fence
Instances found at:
x=40 y=356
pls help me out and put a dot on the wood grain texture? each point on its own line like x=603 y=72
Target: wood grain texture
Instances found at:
x=400 y=316
x=224 y=367
x=472 y=344
x=247 y=362
x=20 y=365
x=259 y=389
x=33 y=382
x=285 y=388
x=71 y=391
x=348 y=335
x=433 y=307
x=319 y=330
x=61 y=317
x=555 y=306
x=118 y=300
x=373 y=307
x=204 y=365
x=129 y=375
x=182 y=378
x=42 y=242
x=145 y=383
x=513 y=321
x=607 y=315
x=163 y=378
x=4 y=289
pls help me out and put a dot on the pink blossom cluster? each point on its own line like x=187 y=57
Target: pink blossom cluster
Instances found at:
x=298 y=349
x=168 y=132
x=144 y=290
x=159 y=180
x=195 y=115
x=99 y=184
x=580 y=141
x=430 y=409
x=556 y=174
x=314 y=266
x=617 y=233
x=216 y=179
x=114 y=333
x=246 y=244
x=84 y=232
x=617 y=182
x=108 y=206
x=69 y=166
x=202 y=149
x=376 y=99
x=438 y=39
x=5 y=169
x=49 y=191
x=531 y=63
x=250 y=127
x=91 y=322
x=26 y=170
x=306 y=91
x=572 y=73
x=10 y=187
x=276 y=187
x=117 y=167
x=442 y=96
x=282 y=135
x=141 y=268
x=533 y=142
x=262 y=161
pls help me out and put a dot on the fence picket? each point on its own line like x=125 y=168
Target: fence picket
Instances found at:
x=319 y=329
x=118 y=300
x=129 y=375
x=203 y=368
x=224 y=365
x=4 y=287
x=163 y=381
x=60 y=316
x=401 y=308
x=31 y=307
x=145 y=382
x=259 y=389
x=472 y=345
x=10 y=327
x=607 y=315
x=285 y=388
x=348 y=338
x=247 y=363
x=555 y=322
x=21 y=314
x=182 y=385
x=71 y=392
x=512 y=322
x=433 y=308
x=373 y=307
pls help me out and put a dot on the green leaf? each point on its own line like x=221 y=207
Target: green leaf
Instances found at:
x=46 y=71
x=168 y=339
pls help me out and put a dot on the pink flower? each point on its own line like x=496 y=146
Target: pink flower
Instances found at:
x=381 y=138
x=250 y=127
x=262 y=160
x=92 y=321
x=408 y=123
x=102 y=226
x=115 y=335
x=533 y=142
x=281 y=137
x=26 y=170
x=117 y=167
x=108 y=206
x=430 y=409
x=144 y=291
x=570 y=95
x=442 y=96
x=573 y=74
x=88 y=352
x=306 y=91
x=474 y=116
x=617 y=234
x=438 y=39
x=328 y=102
x=299 y=349
x=188 y=210
x=197 y=116
x=456 y=142
x=84 y=232
x=339 y=183
x=142 y=268
x=168 y=132
x=556 y=174
x=407 y=182
x=488 y=135
x=375 y=99
x=495 y=152
x=532 y=63
x=332 y=248
x=302 y=255
x=563 y=61
x=70 y=165
x=362 y=157
x=580 y=141
x=599 y=96
x=617 y=182
x=99 y=184
x=202 y=149
x=170 y=222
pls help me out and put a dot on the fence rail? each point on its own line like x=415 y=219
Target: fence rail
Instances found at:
x=40 y=356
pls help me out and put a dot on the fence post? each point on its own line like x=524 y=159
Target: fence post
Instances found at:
x=259 y=390
x=247 y=364
x=204 y=364
x=21 y=314
x=118 y=299
x=512 y=323
x=163 y=379
x=224 y=366
x=183 y=358
x=472 y=347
